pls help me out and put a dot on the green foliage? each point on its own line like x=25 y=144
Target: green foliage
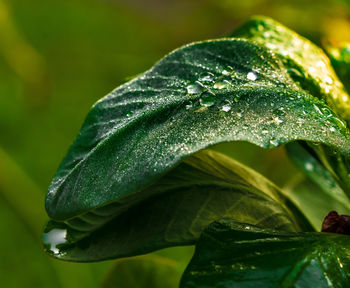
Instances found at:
x=340 y=58
x=306 y=63
x=231 y=254
x=137 y=177
x=203 y=188
x=179 y=107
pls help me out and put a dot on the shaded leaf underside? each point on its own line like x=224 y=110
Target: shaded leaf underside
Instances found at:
x=202 y=189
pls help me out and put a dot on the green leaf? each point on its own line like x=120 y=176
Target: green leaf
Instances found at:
x=149 y=125
x=143 y=272
x=199 y=95
x=231 y=254
x=318 y=198
x=203 y=188
x=339 y=54
x=307 y=64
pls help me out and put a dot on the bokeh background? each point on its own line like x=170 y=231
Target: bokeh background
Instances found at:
x=57 y=57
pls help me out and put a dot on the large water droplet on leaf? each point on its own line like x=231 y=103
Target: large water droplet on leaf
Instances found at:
x=252 y=76
x=207 y=99
x=195 y=88
x=226 y=108
x=53 y=239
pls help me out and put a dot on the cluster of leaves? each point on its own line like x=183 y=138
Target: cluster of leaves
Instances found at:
x=139 y=176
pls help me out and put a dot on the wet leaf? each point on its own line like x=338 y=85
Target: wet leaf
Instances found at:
x=203 y=188
x=231 y=254
x=307 y=64
x=150 y=124
x=339 y=54
x=199 y=95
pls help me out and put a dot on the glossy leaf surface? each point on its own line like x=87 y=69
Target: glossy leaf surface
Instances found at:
x=237 y=255
x=199 y=95
x=339 y=54
x=203 y=188
x=306 y=63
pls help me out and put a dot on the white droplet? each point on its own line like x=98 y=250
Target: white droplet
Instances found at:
x=219 y=85
x=252 y=76
x=309 y=166
x=328 y=80
x=55 y=237
x=226 y=108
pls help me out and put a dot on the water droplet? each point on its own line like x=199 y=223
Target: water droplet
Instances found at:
x=274 y=142
x=219 y=85
x=252 y=76
x=225 y=72
x=189 y=106
x=226 y=108
x=53 y=238
x=264 y=131
x=339 y=123
x=326 y=112
x=207 y=99
x=328 y=80
x=195 y=88
x=278 y=120
x=129 y=114
x=206 y=78
x=280 y=116
x=309 y=166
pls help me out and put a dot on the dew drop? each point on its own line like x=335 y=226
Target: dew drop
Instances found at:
x=280 y=116
x=206 y=78
x=188 y=106
x=53 y=238
x=219 y=85
x=226 y=108
x=225 y=72
x=339 y=123
x=328 y=80
x=273 y=142
x=195 y=88
x=252 y=76
x=207 y=99
x=309 y=166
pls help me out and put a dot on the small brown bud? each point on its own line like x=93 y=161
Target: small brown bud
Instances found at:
x=335 y=223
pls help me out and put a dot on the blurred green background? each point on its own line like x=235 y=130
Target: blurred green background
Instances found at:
x=58 y=57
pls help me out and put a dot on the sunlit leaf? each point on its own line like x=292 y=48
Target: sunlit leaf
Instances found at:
x=339 y=54
x=306 y=63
